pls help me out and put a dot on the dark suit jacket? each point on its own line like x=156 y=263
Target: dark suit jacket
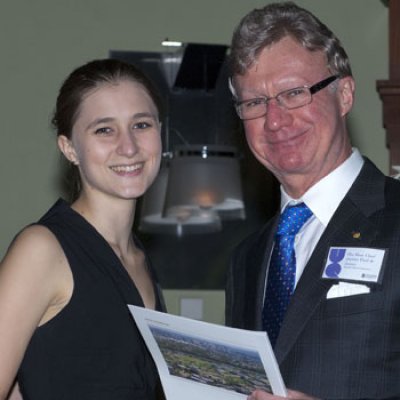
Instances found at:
x=342 y=348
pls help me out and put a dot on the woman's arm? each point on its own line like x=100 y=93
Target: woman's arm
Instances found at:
x=15 y=393
x=34 y=286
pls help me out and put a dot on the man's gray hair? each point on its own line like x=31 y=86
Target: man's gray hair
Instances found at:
x=268 y=25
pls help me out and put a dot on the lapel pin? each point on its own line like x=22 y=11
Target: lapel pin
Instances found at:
x=356 y=235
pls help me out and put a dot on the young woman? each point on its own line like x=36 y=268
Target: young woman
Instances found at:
x=65 y=328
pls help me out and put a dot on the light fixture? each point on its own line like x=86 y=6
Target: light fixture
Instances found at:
x=171 y=43
x=153 y=219
x=171 y=60
x=204 y=178
x=198 y=186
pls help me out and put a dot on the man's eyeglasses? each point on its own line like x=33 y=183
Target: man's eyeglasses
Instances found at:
x=290 y=99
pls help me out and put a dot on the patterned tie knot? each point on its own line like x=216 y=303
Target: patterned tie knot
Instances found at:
x=292 y=219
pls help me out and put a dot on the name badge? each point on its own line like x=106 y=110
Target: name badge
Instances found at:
x=354 y=264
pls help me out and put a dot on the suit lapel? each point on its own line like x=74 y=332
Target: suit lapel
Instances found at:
x=256 y=275
x=349 y=227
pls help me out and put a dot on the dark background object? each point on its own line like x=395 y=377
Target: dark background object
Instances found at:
x=200 y=66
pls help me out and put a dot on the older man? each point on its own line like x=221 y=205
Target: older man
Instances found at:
x=323 y=277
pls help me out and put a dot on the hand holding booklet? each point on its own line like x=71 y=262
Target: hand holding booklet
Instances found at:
x=199 y=360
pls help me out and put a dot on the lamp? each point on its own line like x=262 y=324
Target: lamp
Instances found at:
x=153 y=220
x=198 y=186
x=204 y=178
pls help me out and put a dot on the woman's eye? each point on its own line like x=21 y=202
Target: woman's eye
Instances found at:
x=142 y=125
x=102 y=131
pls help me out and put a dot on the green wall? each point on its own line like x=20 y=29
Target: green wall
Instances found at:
x=42 y=41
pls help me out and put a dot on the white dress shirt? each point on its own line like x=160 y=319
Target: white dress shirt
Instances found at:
x=322 y=199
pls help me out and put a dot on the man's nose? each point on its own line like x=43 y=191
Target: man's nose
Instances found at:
x=277 y=115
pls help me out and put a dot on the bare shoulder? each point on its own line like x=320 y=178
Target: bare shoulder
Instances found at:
x=35 y=260
x=35 y=243
x=34 y=235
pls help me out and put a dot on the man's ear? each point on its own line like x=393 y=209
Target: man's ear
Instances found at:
x=346 y=93
x=66 y=147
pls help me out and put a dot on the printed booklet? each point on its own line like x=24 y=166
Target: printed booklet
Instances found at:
x=199 y=360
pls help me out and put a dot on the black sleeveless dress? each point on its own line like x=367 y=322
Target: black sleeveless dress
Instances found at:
x=92 y=349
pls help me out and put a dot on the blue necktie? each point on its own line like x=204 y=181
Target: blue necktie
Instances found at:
x=282 y=268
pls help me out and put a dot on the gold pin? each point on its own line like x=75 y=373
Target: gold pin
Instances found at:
x=356 y=235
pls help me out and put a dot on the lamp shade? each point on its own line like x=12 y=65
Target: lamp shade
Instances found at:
x=204 y=178
x=152 y=219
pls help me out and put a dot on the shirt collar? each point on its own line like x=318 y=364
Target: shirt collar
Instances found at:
x=325 y=196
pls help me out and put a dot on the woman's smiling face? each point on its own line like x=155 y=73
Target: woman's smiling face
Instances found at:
x=116 y=140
